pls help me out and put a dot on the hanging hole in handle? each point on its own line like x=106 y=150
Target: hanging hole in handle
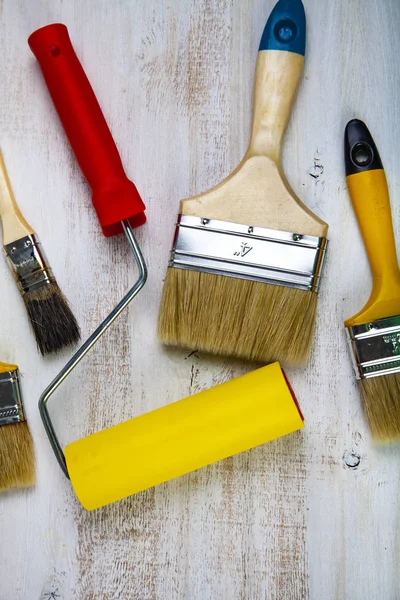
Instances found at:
x=285 y=31
x=362 y=155
x=54 y=50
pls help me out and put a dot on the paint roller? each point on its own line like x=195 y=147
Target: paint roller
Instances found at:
x=180 y=437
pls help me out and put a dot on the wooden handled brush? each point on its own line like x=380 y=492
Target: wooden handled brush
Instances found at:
x=374 y=332
x=17 y=464
x=52 y=321
x=247 y=256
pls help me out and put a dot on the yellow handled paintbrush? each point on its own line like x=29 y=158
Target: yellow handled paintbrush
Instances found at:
x=52 y=321
x=374 y=332
x=247 y=255
x=17 y=465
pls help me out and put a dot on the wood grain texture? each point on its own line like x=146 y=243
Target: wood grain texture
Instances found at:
x=288 y=521
x=14 y=226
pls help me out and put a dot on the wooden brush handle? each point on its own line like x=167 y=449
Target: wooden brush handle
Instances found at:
x=369 y=195
x=13 y=223
x=278 y=72
x=257 y=191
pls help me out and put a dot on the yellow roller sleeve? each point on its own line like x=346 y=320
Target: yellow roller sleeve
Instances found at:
x=370 y=198
x=181 y=437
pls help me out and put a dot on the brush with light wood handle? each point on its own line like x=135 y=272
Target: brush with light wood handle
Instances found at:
x=247 y=255
x=52 y=321
x=374 y=332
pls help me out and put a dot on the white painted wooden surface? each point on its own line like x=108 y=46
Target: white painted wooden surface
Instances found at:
x=286 y=521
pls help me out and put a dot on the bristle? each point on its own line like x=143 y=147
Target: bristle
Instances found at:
x=53 y=323
x=236 y=317
x=17 y=461
x=381 y=399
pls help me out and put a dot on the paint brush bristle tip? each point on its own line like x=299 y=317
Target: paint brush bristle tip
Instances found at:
x=17 y=463
x=381 y=400
x=237 y=317
x=54 y=325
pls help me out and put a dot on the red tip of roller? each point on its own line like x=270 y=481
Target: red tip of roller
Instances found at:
x=293 y=395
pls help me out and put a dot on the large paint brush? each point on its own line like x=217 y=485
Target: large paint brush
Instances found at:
x=247 y=255
x=52 y=321
x=374 y=332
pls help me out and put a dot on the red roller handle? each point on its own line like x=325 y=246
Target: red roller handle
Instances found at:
x=115 y=197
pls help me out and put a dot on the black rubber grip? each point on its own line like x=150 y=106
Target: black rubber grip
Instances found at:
x=360 y=151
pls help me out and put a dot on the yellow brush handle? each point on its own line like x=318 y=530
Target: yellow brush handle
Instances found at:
x=277 y=78
x=370 y=198
x=181 y=437
x=13 y=223
x=4 y=367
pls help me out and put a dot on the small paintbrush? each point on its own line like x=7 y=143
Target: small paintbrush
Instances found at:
x=17 y=463
x=247 y=256
x=374 y=332
x=52 y=320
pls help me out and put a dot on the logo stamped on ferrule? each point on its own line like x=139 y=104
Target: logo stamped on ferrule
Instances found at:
x=26 y=262
x=244 y=250
x=394 y=340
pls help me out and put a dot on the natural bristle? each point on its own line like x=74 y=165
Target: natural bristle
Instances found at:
x=53 y=323
x=17 y=461
x=236 y=317
x=381 y=399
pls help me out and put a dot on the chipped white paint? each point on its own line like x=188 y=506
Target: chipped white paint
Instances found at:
x=288 y=521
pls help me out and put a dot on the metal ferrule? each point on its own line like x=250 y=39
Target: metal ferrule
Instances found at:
x=375 y=347
x=264 y=255
x=28 y=263
x=11 y=410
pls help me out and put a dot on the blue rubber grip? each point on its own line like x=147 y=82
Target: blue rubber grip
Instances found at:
x=286 y=28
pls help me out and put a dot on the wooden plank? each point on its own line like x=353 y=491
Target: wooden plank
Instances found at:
x=287 y=521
